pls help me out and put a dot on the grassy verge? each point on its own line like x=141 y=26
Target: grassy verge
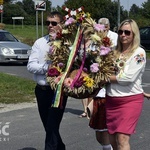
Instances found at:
x=15 y=89
x=26 y=34
x=148 y=54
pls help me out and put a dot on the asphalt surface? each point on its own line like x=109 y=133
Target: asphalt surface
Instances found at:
x=26 y=131
x=22 y=129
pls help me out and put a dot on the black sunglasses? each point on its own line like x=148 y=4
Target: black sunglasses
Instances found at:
x=126 y=32
x=53 y=23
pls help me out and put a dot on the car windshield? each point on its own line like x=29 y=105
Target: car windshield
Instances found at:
x=6 y=36
x=145 y=33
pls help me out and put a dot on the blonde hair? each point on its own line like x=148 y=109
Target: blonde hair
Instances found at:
x=136 y=36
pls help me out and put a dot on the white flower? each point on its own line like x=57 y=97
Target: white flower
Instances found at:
x=121 y=64
x=65 y=31
x=98 y=60
x=95 y=37
x=57 y=43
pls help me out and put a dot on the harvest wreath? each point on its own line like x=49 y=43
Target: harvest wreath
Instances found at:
x=79 y=72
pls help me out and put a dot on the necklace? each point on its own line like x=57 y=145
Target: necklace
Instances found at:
x=120 y=62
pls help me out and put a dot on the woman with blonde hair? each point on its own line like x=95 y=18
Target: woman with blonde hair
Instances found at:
x=124 y=93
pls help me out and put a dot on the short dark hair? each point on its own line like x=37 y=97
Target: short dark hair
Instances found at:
x=55 y=13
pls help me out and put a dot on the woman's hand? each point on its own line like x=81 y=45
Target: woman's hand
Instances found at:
x=147 y=95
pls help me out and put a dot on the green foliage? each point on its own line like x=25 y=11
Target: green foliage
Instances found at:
x=28 y=5
x=147 y=54
x=141 y=15
x=134 y=9
x=7 y=1
x=12 y=10
x=24 y=9
x=146 y=10
x=97 y=9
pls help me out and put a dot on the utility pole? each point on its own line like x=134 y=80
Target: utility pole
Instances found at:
x=118 y=13
x=128 y=9
x=1 y=10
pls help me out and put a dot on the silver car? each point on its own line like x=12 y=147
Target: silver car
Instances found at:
x=12 y=50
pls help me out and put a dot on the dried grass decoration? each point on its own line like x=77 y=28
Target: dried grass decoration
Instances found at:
x=77 y=72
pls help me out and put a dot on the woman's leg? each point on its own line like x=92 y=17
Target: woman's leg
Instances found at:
x=85 y=103
x=113 y=142
x=103 y=138
x=123 y=141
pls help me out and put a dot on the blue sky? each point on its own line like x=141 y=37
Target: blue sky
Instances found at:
x=125 y=3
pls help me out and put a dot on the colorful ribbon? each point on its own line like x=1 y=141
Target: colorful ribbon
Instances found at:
x=80 y=70
x=71 y=58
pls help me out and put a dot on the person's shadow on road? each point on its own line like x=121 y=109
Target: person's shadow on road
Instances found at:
x=73 y=111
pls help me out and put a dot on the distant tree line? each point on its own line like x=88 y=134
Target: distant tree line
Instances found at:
x=97 y=9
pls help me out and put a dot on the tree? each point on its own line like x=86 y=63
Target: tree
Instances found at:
x=146 y=9
x=12 y=10
x=134 y=10
x=7 y=1
x=28 y=5
x=141 y=15
x=97 y=9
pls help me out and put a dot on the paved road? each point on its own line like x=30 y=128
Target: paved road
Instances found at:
x=26 y=132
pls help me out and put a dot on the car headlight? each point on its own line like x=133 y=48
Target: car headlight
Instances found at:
x=29 y=52
x=7 y=51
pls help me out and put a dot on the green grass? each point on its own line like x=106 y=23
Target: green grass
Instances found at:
x=16 y=89
x=26 y=34
x=148 y=54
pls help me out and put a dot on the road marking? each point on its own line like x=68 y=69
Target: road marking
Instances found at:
x=145 y=84
x=147 y=69
x=11 y=74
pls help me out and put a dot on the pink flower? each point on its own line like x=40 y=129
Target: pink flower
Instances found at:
x=69 y=21
x=68 y=82
x=57 y=79
x=53 y=35
x=52 y=72
x=104 y=50
x=99 y=27
x=51 y=50
x=94 y=67
x=60 y=65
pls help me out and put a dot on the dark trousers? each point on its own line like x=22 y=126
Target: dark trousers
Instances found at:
x=51 y=117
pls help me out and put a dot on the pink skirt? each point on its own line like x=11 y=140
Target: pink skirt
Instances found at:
x=122 y=113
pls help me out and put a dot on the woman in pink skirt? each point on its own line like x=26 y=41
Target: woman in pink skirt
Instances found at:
x=124 y=94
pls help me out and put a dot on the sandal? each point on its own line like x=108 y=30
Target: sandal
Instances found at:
x=84 y=114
